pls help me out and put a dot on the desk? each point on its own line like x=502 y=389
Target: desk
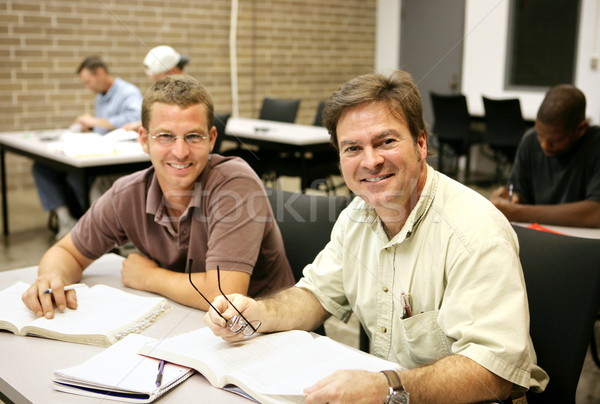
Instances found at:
x=28 y=363
x=44 y=147
x=280 y=136
x=583 y=232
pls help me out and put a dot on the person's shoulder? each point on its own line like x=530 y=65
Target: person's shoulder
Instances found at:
x=127 y=85
x=133 y=181
x=225 y=167
x=467 y=211
x=530 y=136
x=593 y=134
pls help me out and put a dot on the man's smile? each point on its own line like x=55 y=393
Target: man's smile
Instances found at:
x=179 y=166
x=376 y=179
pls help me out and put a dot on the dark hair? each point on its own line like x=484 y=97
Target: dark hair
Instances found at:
x=397 y=91
x=562 y=107
x=177 y=89
x=92 y=63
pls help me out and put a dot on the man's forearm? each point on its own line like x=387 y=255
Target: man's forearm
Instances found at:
x=60 y=260
x=577 y=214
x=454 y=379
x=290 y=309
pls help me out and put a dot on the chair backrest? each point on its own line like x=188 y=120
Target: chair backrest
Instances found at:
x=319 y=115
x=562 y=275
x=305 y=222
x=504 y=124
x=452 y=120
x=277 y=109
x=220 y=122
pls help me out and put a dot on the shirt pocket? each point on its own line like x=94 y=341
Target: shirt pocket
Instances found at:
x=424 y=342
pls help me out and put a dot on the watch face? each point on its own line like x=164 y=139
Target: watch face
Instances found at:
x=399 y=397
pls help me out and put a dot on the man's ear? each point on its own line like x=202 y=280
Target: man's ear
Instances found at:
x=581 y=128
x=143 y=138
x=212 y=137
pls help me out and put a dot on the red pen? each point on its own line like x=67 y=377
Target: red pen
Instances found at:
x=406 y=305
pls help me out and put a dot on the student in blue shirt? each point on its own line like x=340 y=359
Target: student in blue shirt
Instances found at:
x=117 y=103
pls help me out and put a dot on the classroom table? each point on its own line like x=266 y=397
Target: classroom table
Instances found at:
x=94 y=156
x=280 y=136
x=583 y=232
x=27 y=363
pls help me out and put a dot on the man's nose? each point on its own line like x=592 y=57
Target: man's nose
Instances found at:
x=180 y=147
x=372 y=158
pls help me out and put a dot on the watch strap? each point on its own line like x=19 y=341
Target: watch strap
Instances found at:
x=393 y=380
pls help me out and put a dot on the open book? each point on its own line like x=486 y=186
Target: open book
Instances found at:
x=269 y=368
x=103 y=315
x=119 y=373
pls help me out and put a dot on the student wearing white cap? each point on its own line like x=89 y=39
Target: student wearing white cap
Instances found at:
x=159 y=62
x=162 y=61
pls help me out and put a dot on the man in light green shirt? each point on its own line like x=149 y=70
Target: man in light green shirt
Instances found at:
x=429 y=267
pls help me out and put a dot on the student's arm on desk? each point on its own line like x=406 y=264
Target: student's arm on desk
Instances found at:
x=60 y=266
x=453 y=379
x=142 y=273
x=88 y=122
x=290 y=309
x=574 y=214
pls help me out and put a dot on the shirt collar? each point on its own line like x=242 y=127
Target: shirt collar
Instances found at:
x=415 y=216
x=155 y=203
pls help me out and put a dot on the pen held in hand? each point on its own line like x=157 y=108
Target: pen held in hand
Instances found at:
x=68 y=287
x=161 y=367
x=511 y=189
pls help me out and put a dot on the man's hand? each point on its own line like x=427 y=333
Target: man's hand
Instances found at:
x=218 y=325
x=505 y=202
x=349 y=386
x=86 y=121
x=132 y=126
x=137 y=270
x=39 y=302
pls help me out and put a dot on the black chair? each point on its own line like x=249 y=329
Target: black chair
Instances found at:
x=452 y=127
x=504 y=128
x=594 y=344
x=278 y=109
x=319 y=167
x=262 y=160
x=562 y=275
x=220 y=122
x=305 y=222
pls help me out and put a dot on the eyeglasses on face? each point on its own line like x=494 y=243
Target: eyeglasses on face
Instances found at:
x=238 y=323
x=190 y=138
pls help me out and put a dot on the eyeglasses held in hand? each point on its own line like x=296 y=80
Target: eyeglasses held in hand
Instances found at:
x=190 y=138
x=237 y=323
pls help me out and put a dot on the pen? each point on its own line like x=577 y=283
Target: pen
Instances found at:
x=68 y=287
x=161 y=367
x=406 y=305
x=511 y=189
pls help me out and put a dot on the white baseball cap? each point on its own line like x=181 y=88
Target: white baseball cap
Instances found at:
x=162 y=59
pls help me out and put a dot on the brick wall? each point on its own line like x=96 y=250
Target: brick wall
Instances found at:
x=285 y=48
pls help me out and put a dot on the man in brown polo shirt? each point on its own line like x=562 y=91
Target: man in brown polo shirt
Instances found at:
x=191 y=205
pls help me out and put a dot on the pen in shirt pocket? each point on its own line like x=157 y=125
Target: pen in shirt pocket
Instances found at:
x=406 y=312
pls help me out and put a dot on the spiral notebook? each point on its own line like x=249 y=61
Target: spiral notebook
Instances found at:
x=104 y=315
x=119 y=373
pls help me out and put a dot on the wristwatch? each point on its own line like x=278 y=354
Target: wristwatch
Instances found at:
x=397 y=393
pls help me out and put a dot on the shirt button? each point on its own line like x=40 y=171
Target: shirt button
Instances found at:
x=385 y=289
x=384 y=330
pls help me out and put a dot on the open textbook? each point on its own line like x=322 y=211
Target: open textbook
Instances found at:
x=91 y=144
x=269 y=368
x=103 y=315
x=119 y=373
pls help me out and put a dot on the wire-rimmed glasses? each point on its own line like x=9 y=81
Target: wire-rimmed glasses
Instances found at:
x=190 y=138
x=237 y=323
